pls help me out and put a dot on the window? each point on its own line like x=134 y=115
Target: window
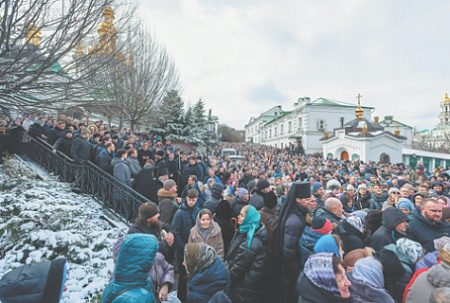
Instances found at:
x=342 y=121
x=299 y=123
x=281 y=129
x=275 y=132
x=289 y=127
x=270 y=133
x=276 y=113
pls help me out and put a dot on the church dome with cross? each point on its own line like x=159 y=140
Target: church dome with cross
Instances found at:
x=363 y=139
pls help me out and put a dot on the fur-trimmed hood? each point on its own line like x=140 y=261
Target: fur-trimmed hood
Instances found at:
x=162 y=193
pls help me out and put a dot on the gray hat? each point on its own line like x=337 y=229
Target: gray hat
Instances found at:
x=168 y=184
x=362 y=186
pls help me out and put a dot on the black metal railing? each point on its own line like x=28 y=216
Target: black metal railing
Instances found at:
x=85 y=177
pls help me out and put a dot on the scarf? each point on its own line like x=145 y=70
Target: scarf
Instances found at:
x=368 y=270
x=327 y=244
x=203 y=232
x=250 y=224
x=319 y=270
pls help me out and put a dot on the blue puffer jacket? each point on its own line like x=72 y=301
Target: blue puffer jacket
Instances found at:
x=205 y=284
x=135 y=260
x=307 y=241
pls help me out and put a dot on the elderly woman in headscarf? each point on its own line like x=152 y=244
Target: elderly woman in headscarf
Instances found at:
x=368 y=282
x=206 y=272
x=246 y=257
x=207 y=231
x=323 y=280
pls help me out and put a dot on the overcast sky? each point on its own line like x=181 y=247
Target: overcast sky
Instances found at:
x=243 y=57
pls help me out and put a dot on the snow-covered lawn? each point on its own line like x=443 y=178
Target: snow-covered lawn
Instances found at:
x=43 y=219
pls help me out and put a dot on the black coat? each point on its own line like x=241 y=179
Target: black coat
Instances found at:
x=189 y=170
x=145 y=184
x=387 y=234
x=105 y=161
x=247 y=267
x=55 y=134
x=36 y=130
x=223 y=216
x=164 y=247
x=64 y=145
x=81 y=149
x=353 y=239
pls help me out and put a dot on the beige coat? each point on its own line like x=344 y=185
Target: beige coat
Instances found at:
x=214 y=239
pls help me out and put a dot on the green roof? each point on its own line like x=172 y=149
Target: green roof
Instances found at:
x=394 y=121
x=329 y=102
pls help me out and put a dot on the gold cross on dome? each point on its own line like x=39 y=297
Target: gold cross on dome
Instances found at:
x=359 y=98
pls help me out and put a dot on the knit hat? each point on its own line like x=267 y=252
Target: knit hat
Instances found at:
x=270 y=200
x=356 y=222
x=405 y=203
x=160 y=153
x=359 y=179
x=147 y=210
x=262 y=184
x=321 y=225
x=350 y=187
x=163 y=171
x=332 y=184
x=316 y=186
x=242 y=192
x=168 y=184
x=394 y=189
x=362 y=186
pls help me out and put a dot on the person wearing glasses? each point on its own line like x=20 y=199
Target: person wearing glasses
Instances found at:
x=394 y=195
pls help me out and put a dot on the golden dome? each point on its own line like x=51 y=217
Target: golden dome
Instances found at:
x=397 y=132
x=364 y=129
x=79 y=51
x=359 y=112
x=33 y=35
x=446 y=98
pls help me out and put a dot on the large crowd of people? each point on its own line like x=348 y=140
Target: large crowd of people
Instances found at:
x=278 y=226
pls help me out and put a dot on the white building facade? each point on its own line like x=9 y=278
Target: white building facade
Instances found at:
x=306 y=123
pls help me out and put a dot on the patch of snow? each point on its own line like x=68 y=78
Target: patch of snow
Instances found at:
x=44 y=219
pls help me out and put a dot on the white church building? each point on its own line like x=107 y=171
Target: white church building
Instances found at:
x=363 y=139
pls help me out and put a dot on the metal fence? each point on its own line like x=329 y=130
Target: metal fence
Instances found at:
x=86 y=178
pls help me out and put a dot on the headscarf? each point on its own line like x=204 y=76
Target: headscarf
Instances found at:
x=327 y=243
x=198 y=261
x=319 y=270
x=446 y=199
x=368 y=271
x=405 y=203
x=204 y=232
x=410 y=248
x=356 y=222
x=250 y=224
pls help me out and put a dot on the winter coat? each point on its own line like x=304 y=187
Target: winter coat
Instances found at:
x=55 y=134
x=105 y=161
x=436 y=277
x=141 y=153
x=387 y=234
x=293 y=230
x=160 y=165
x=133 y=164
x=216 y=197
x=237 y=205
x=323 y=212
x=376 y=202
x=81 y=149
x=190 y=170
x=205 y=284
x=353 y=239
x=223 y=216
x=257 y=200
x=168 y=205
x=425 y=231
x=121 y=171
x=145 y=184
x=183 y=221
x=310 y=293
x=220 y=297
x=36 y=130
x=306 y=243
x=214 y=238
x=270 y=220
x=361 y=202
x=64 y=145
x=28 y=283
x=134 y=261
x=363 y=292
x=247 y=267
x=166 y=274
x=201 y=199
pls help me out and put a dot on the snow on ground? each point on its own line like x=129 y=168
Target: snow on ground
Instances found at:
x=44 y=220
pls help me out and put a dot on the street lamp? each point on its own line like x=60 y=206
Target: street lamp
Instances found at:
x=211 y=128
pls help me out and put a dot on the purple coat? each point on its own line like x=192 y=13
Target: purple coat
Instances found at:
x=166 y=273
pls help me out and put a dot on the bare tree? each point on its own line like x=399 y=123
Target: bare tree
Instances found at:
x=133 y=88
x=37 y=39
